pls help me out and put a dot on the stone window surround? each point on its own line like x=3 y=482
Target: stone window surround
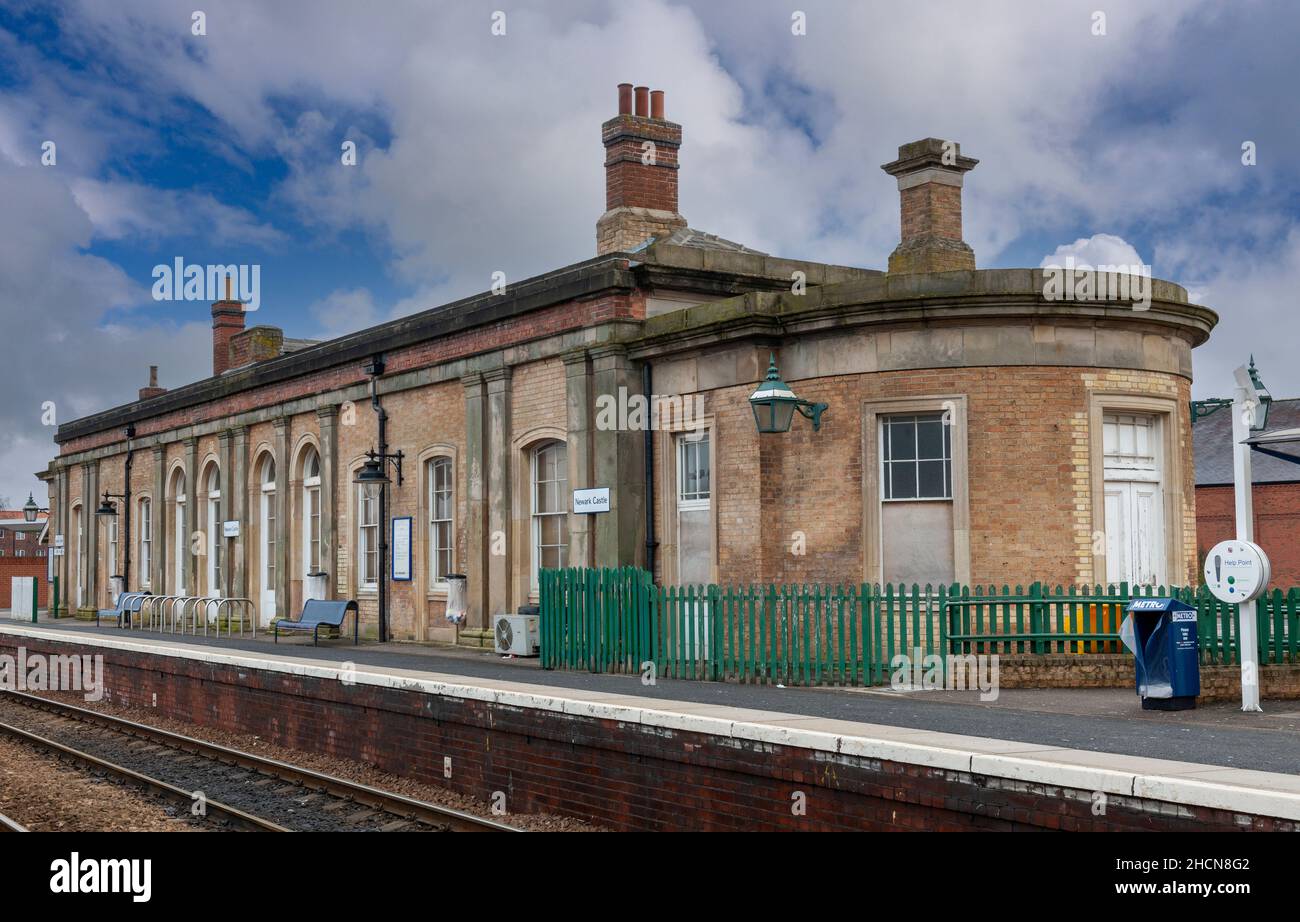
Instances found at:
x=666 y=441
x=431 y=590
x=144 y=513
x=299 y=532
x=355 y=557
x=521 y=481
x=872 y=539
x=1166 y=409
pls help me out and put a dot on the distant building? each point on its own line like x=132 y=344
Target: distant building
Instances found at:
x=1275 y=492
x=17 y=537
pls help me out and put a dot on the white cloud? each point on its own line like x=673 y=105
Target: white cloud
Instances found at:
x=120 y=209
x=344 y=311
x=1097 y=250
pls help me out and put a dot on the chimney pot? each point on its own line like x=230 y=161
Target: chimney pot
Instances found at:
x=227 y=320
x=152 y=390
x=640 y=173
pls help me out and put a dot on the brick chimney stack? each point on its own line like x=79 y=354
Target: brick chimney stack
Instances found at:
x=930 y=176
x=227 y=320
x=640 y=172
x=153 y=390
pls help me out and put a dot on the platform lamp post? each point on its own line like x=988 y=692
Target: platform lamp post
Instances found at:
x=1250 y=405
x=774 y=404
x=373 y=479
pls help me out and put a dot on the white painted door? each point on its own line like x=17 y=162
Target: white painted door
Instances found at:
x=695 y=531
x=1134 y=500
x=268 y=557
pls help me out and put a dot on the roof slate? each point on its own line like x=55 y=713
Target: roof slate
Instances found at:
x=1212 y=447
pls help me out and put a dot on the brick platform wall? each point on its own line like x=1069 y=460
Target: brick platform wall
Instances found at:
x=625 y=776
x=1104 y=670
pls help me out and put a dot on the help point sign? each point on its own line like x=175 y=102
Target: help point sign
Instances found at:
x=1237 y=571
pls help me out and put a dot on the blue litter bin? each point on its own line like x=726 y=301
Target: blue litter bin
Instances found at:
x=1162 y=635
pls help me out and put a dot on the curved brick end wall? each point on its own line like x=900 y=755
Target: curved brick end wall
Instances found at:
x=1030 y=463
x=627 y=776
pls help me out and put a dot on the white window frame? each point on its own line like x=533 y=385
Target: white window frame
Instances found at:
x=437 y=576
x=688 y=443
x=267 y=523
x=179 y=537
x=885 y=441
x=79 y=525
x=112 y=547
x=310 y=514
x=367 y=540
x=146 y=540
x=536 y=517
x=215 y=539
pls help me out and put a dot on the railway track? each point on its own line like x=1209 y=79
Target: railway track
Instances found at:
x=239 y=789
x=8 y=825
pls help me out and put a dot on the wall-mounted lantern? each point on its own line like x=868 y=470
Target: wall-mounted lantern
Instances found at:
x=774 y=404
x=1264 y=397
x=31 y=510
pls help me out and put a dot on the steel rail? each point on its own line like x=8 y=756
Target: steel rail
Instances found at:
x=8 y=825
x=170 y=791
x=389 y=802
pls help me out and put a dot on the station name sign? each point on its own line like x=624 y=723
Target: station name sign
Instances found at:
x=589 y=501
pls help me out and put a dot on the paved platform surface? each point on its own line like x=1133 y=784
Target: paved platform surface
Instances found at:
x=1096 y=720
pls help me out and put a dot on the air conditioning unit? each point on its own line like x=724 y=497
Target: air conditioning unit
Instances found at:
x=516 y=635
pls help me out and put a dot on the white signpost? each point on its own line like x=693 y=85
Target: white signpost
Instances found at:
x=1245 y=403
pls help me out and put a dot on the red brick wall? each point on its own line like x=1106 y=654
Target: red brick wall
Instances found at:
x=23 y=566
x=625 y=776
x=1277 y=524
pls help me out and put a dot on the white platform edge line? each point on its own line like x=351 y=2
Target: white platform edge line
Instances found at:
x=1175 y=787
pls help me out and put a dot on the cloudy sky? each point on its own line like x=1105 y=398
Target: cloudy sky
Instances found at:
x=480 y=152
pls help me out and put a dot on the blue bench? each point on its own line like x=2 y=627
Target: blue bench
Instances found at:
x=322 y=613
x=128 y=604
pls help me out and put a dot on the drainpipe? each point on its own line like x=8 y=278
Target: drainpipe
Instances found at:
x=126 y=519
x=377 y=367
x=648 y=445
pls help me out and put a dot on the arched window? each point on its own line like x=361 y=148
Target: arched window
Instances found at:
x=367 y=539
x=179 y=538
x=550 y=513
x=266 y=523
x=216 y=543
x=311 y=512
x=438 y=473
x=79 y=570
x=146 y=541
x=112 y=548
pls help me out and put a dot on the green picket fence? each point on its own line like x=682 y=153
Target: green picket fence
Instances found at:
x=619 y=621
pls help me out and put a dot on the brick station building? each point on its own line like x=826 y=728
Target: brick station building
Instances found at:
x=976 y=431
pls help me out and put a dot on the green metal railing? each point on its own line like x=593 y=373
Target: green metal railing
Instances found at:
x=619 y=621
